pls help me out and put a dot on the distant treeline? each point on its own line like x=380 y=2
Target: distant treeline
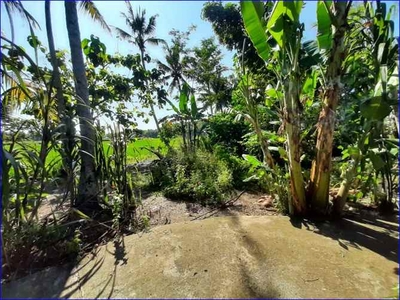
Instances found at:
x=150 y=133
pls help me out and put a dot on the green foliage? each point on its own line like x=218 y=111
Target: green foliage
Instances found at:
x=95 y=50
x=239 y=168
x=275 y=182
x=168 y=131
x=199 y=177
x=252 y=13
x=225 y=130
x=324 y=22
x=188 y=116
x=228 y=26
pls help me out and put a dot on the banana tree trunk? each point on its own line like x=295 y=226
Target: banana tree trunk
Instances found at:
x=297 y=206
x=340 y=199
x=88 y=188
x=321 y=166
x=267 y=157
x=67 y=126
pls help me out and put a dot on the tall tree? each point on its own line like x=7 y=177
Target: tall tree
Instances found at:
x=207 y=71
x=377 y=54
x=284 y=27
x=66 y=127
x=332 y=27
x=176 y=59
x=88 y=188
x=142 y=33
x=228 y=26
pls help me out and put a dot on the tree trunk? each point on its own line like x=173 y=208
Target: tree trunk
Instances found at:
x=340 y=199
x=297 y=206
x=321 y=166
x=396 y=119
x=153 y=112
x=267 y=157
x=88 y=188
x=66 y=128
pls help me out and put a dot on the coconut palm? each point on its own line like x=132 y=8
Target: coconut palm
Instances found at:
x=173 y=67
x=67 y=125
x=142 y=33
x=88 y=188
x=16 y=6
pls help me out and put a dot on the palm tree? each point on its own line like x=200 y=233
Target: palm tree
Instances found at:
x=16 y=6
x=173 y=67
x=142 y=33
x=88 y=188
x=67 y=130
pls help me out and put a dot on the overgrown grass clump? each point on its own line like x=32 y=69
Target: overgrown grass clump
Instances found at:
x=198 y=177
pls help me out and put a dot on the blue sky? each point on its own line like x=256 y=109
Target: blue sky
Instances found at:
x=172 y=14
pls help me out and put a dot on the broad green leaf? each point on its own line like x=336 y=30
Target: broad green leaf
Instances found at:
x=275 y=23
x=272 y=95
x=183 y=100
x=193 y=107
x=393 y=85
x=252 y=13
x=382 y=53
x=394 y=78
x=324 y=24
x=376 y=160
x=375 y=108
x=310 y=83
x=281 y=9
x=252 y=160
x=354 y=152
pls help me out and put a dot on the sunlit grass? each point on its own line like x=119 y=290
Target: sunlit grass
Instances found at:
x=135 y=151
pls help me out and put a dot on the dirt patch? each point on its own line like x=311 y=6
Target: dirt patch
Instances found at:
x=53 y=204
x=164 y=211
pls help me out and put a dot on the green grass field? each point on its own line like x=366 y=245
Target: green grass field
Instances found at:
x=135 y=151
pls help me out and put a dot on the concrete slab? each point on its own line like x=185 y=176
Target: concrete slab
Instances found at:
x=230 y=257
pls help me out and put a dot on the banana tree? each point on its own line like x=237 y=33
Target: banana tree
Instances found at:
x=284 y=28
x=252 y=115
x=332 y=28
x=378 y=36
x=189 y=116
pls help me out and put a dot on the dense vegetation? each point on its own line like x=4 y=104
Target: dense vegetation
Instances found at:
x=314 y=123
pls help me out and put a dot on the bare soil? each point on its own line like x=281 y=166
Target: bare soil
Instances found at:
x=164 y=211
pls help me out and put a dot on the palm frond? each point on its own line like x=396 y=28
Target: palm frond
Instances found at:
x=123 y=34
x=17 y=6
x=90 y=8
x=155 y=41
x=151 y=26
x=130 y=10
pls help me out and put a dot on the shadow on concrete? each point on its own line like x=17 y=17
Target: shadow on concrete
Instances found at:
x=254 y=288
x=120 y=259
x=52 y=282
x=354 y=231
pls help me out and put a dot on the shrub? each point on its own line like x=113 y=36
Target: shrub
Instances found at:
x=199 y=177
x=238 y=166
x=222 y=129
